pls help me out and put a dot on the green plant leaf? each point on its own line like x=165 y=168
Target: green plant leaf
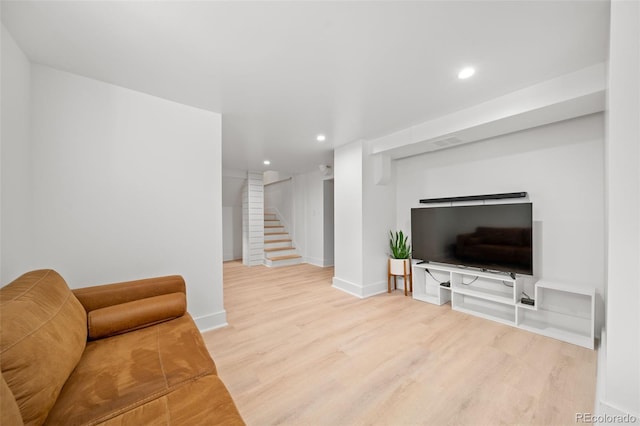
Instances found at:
x=399 y=245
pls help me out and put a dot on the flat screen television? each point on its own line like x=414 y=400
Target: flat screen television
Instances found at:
x=493 y=237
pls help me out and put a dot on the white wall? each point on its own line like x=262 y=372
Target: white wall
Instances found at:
x=299 y=201
x=271 y=176
x=312 y=215
x=379 y=208
x=328 y=222
x=348 y=272
x=279 y=197
x=16 y=227
x=232 y=215
x=364 y=215
x=298 y=225
x=126 y=186
x=621 y=355
x=231 y=233
x=560 y=165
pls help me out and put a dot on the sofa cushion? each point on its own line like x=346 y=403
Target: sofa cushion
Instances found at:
x=129 y=316
x=122 y=372
x=205 y=401
x=501 y=236
x=9 y=411
x=43 y=333
x=101 y=296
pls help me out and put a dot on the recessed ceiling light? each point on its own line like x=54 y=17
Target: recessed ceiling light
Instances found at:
x=321 y=138
x=466 y=73
x=266 y=162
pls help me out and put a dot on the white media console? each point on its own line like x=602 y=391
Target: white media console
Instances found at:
x=561 y=311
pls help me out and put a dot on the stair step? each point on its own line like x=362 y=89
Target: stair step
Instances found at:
x=276 y=236
x=278 y=248
x=281 y=253
x=283 y=240
x=275 y=262
x=269 y=244
x=289 y=256
x=273 y=226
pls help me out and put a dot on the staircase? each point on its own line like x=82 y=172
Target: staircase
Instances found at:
x=278 y=247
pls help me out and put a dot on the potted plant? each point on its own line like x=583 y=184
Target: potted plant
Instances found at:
x=400 y=253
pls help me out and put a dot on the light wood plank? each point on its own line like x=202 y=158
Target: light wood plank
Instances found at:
x=285 y=257
x=299 y=352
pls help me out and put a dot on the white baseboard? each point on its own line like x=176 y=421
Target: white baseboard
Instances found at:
x=328 y=262
x=230 y=259
x=313 y=261
x=600 y=371
x=375 y=288
x=357 y=290
x=323 y=263
x=606 y=412
x=347 y=287
x=211 y=321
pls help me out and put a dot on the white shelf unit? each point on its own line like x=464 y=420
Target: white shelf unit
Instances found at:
x=561 y=311
x=483 y=294
x=427 y=288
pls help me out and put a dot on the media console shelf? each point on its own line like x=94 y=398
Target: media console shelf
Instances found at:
x=561 y=311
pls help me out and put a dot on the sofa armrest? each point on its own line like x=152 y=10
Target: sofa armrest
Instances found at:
x=102 y=296
x=129 y=316
x=464 y=239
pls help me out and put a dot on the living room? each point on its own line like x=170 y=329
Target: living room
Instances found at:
x=76 y=130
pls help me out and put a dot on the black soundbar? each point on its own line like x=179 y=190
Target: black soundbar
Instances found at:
x=474 y=197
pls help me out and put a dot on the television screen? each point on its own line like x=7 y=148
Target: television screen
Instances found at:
x=494 y=237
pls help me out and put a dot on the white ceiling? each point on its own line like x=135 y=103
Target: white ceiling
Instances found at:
x=282 y=72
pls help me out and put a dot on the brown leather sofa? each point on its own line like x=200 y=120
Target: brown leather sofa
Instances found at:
x=118 y=354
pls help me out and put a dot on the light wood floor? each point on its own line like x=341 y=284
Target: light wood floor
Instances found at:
x=299 y=352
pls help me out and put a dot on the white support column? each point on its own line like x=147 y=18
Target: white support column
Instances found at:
x=621 y=367
x=364 y=205
x=253 y=220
